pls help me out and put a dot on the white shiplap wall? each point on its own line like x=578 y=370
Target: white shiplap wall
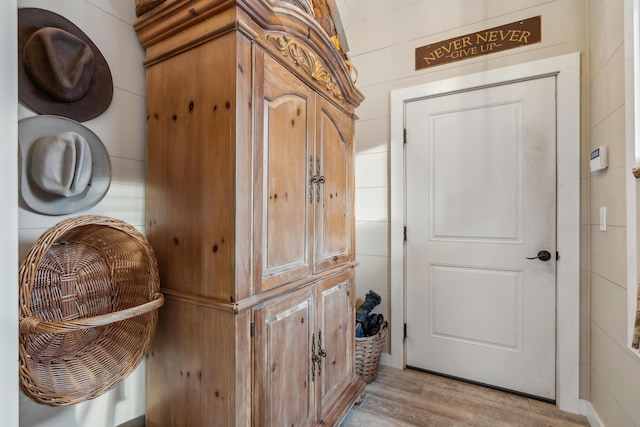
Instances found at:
x=382 y=37
x=8 y=216
x=347 y=9
x=614 y=369
x=122 y=130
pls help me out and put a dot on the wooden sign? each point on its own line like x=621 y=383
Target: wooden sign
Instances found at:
x=509 y=36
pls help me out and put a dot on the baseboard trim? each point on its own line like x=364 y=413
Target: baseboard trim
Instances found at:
x=587 y=409
x=136 y=422
x=386 y=360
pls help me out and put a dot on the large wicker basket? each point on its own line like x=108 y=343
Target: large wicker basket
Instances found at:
x=368 y=352
x=89 y=293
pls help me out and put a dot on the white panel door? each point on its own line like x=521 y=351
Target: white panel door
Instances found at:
x=481 y=199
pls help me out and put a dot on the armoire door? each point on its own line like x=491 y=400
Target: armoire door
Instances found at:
x=284 y=135
x=335 y=343
x=284 y=371
x=333 y=172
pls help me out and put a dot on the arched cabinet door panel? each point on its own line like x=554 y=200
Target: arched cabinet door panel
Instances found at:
x=282 y=207
x=334 y=192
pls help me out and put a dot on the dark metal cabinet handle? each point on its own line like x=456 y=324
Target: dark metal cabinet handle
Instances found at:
x=314 y=358
x=321 y=352
x=316 y=180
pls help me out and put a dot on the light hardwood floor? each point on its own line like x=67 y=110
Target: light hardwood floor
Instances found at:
x=402 y=398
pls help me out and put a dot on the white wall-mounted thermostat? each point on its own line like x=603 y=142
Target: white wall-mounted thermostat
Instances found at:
x=598 y=160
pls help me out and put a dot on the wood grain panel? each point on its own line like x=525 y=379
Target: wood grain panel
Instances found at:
x=336 y=332
x=183 y=368
x=190 y=139
x=242 y=184
x=283 y=381
x=334 y=162
x=282 y=229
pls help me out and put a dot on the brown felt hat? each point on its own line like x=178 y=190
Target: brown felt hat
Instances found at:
x=60 y=70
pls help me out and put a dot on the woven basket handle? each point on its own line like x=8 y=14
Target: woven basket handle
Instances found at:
x=33 y=325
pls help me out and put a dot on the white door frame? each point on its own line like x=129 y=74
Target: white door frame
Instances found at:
x=567 y=70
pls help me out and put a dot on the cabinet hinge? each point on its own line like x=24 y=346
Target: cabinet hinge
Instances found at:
x=404 y=135
x=405 y=234
x=405 y=331
x=253 y=329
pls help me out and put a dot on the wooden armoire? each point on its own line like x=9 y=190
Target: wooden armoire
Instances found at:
x=250 y=211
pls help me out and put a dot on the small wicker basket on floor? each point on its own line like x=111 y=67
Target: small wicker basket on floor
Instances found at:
x=89 y=293
x=368 y=352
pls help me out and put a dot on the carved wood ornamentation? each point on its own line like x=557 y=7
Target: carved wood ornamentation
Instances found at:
x=308 y=62
x=302 y=4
